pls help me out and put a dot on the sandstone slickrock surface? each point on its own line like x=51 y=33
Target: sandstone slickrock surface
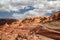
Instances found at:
x=38 y=28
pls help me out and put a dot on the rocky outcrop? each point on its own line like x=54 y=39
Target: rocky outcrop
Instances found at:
x=55 y=16
x=38 y=28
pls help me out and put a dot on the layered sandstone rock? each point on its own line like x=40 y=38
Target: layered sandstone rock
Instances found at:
x=55 y=16
x=38 y=28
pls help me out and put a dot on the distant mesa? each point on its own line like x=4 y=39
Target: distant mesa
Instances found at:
x=8 y=21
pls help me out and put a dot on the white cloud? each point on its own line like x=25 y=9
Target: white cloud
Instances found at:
x=32 y=13
x=15 y=5
x=41 y=7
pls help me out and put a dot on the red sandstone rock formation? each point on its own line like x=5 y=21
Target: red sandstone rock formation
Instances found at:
x=55 y=16
x=38 y=28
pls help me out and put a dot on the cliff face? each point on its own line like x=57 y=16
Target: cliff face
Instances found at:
x=38 y=28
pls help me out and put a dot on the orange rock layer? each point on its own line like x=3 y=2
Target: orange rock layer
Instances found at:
x=38 y=28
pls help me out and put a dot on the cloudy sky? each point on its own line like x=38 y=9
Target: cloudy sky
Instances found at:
x=20 y=9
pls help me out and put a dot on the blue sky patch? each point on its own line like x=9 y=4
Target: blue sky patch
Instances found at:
x=21 y=11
